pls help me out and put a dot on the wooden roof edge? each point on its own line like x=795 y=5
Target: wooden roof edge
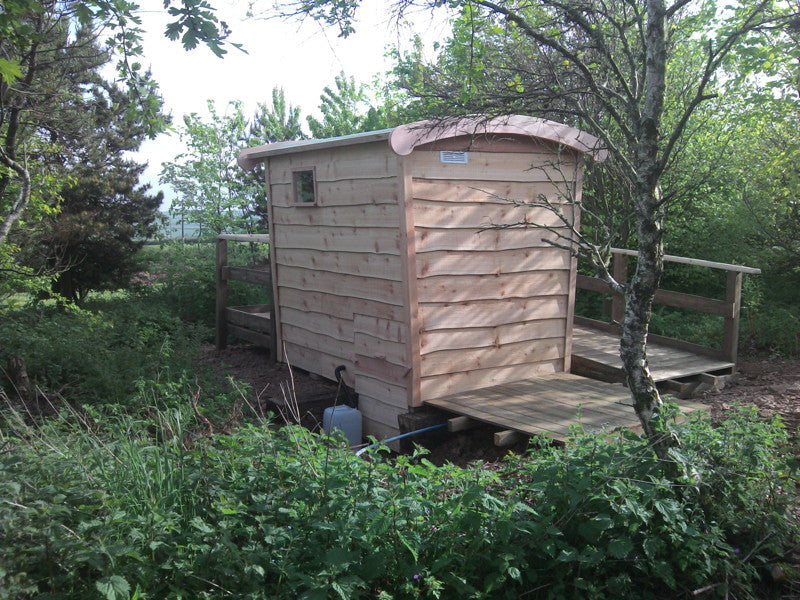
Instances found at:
x=250 y=157
x=404 y=138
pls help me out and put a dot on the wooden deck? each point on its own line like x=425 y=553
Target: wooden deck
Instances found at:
x=549 y=405
x=596 y=354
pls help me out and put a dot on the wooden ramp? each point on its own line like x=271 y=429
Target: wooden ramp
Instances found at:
x=549 y=405
x=595 y=353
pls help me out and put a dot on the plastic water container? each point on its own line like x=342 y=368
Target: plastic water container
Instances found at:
x=345 y=419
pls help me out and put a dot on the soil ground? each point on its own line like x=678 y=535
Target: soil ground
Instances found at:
x=771 y=385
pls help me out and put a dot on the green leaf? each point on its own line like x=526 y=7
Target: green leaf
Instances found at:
x=10 y=71
x=620 y=548
x=113 y=587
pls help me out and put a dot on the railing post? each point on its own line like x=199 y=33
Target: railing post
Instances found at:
x=222 y=294
x=619 y=270
x=733 y=295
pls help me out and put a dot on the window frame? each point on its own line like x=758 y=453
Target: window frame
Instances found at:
x=295 y=180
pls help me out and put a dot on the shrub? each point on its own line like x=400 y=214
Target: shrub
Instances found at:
x=98 y=354
x=151 y=509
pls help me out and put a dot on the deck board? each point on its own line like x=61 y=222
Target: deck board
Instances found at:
x=596 y=351
x=549 y=405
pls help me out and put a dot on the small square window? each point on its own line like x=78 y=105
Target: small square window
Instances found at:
x=305 y=186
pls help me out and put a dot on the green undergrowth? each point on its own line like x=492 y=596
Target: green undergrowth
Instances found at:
x=118 y=350
x=123 y=507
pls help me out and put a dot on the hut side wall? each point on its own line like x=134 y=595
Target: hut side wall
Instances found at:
x=340 y=289
x=493 y=304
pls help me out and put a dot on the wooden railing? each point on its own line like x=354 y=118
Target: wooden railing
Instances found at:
x=255 y=324
x=728 y=308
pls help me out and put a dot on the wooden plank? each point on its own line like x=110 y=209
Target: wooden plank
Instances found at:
x=481 y=337
x=509 y=437
x=321 y=363
x=371 y=160
x=255 y=321
x=307 y=338
x=383 y=370
x=326 y=324
x=441 y=385
x=248 y=335
x=462 y=288
x=380 y=412
x=489 y=313
x=490 y=142
x=384 y=329
x=276 y=351
x=221 y=258
x=254 y=275
x=733 y=296
x=367 y=288
x=460 y=424
x=342 y=239
x=447 y=215
x=499 y=193
x=368 y=345
x=361 y=215
x=709 y=306
x=391 y=393
x=489 y=240
x=366 y=264
x=478 y=262
x=408 y=245
x=573 y=274
x=456 y=361
x=345 y=192
x=253 y=238
x=491 y=166
x=696 y=262
x=343 y=305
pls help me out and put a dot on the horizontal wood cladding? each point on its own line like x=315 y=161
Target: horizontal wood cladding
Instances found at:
x=382 y=369
x=385 y=329
x=382 y=266
x=369 y=161
x=313 y=340
x=393 y=394
x=436 y=386
x=346 y=192
x=375 y=347
x=481 y=337
x=325 y=324
x=459 y=288
x=433 y=240
x=471 y=359
x=492 y=166
x=489 y=192
x=476 y=262
x=434 y=214
x=367 y=288
x=341 y=239
x=490 y=313
x=360 y=215
x=375 y=410
x=316 y=361
x=343 y=306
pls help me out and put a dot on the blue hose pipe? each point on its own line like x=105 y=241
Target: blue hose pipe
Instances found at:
x=400 y=437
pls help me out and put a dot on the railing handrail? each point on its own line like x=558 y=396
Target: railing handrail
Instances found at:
x=260 y=238
x=696 y=262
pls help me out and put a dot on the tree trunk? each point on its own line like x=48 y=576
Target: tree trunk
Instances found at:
x=638 y=304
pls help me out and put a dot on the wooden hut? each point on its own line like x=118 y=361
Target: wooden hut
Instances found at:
x=386 y=256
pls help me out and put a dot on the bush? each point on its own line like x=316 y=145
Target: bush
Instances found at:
x=182 y=277
x=150 y=509
x=98 y=355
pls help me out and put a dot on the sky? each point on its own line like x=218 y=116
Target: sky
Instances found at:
x=301 y=57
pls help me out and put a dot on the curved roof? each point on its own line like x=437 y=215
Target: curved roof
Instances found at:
x=404 y=138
